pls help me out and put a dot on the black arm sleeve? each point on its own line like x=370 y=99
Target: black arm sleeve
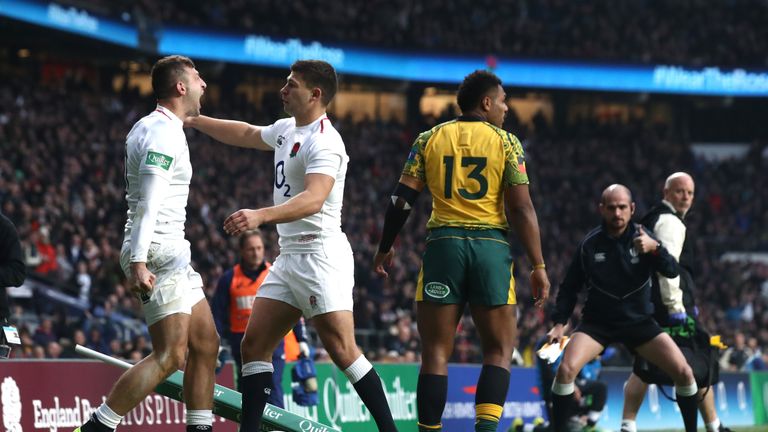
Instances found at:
x=12 y=270
x=398 y=210
x=665 y=264
x=568 y=293
x=394 y=220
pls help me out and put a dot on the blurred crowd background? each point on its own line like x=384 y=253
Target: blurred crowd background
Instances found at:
x=687 y=32
x=62 y=144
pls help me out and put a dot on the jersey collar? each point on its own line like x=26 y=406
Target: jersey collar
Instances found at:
x=169 y=114
x=469 y=118
x=318 y=122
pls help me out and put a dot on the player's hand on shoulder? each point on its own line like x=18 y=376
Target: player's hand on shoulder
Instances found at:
x=540 y=286
x=243 y=220
x=382 y=259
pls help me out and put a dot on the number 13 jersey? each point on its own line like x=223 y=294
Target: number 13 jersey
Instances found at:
x=316 y=148
x=466 y=164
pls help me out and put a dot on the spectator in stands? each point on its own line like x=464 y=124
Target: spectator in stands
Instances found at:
x=83 y=282
x=96 y=342
x=735 y=357
x=32 y=256
x=47 y=252
x=402 y=338
x=65 y=268
x=53 y=350
x=45 y=333
x=670 y=32
x=78 y=338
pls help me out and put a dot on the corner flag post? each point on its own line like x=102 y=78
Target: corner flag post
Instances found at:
x=227 y=403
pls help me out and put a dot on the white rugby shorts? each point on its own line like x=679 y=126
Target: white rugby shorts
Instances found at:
x=178 y=287
x=315 y=282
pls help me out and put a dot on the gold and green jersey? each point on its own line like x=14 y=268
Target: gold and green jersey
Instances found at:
x=466 y=164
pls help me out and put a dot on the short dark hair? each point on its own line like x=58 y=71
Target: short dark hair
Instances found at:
x=248 y=234
x=167 y=72
x=474 y=88
x=317 y=73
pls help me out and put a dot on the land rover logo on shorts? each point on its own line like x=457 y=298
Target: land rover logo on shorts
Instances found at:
x=437 y=290
x=159 y=160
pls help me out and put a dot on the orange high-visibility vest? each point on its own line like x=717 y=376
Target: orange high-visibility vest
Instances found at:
x=291 y=347
x=242 y=291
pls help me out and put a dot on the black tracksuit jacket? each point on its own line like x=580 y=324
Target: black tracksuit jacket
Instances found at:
x=618 y=280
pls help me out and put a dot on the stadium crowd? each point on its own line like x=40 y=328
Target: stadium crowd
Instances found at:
x=700 y=33
x=61 y=182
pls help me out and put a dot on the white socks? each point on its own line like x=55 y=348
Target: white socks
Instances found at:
x=688 y=390
x=628 y=426
x=357 y=370
x=562 y=389
x=713 y=426
x=200 y=417
x=253 y=368
x=107 y=417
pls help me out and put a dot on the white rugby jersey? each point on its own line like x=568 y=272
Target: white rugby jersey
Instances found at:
x=156 y=145
x=316 y=148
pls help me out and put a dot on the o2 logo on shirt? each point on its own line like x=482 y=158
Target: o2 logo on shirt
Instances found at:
x=280 y=182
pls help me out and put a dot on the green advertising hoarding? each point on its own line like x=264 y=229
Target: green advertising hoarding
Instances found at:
x=341 y=408
x=759 y=382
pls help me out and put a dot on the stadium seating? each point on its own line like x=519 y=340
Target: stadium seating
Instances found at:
x=61 y=182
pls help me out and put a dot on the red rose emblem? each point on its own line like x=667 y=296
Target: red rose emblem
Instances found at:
x=295 y=149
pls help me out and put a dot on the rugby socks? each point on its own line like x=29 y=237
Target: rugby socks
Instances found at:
x=489 y=399
x=368 y=386
x=562 y=405
x=431 y=394
x=628 y=426
x=199 y=420
x=688 y=401
x=593 y=417
x=713 y=426
x=256 y=387
x=102 y=420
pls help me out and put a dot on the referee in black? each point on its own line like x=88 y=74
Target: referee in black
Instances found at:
x=12 y=270
x=616 y=262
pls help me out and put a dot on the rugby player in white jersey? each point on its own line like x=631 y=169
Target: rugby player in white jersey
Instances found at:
x=156 y=258
x=313 y=275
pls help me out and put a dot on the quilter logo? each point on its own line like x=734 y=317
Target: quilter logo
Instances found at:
x=765 y=397
x=10 y=399
x=159 y=160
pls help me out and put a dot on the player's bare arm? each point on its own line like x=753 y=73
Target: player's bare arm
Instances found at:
x=317 y=187
x=397 y=213
x=232 y=132
x=525 y=223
